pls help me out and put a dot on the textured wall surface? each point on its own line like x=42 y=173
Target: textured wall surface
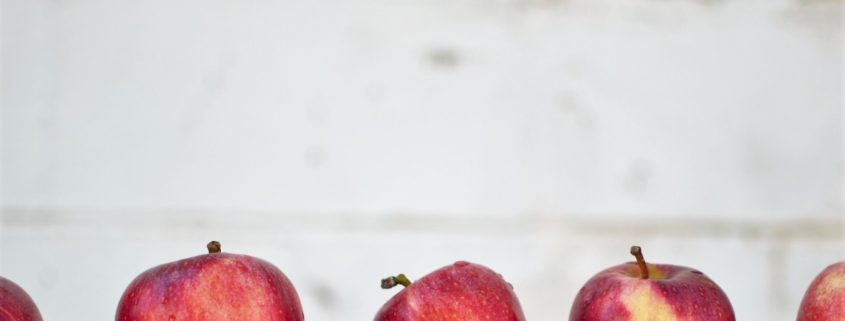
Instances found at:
x=345 y=141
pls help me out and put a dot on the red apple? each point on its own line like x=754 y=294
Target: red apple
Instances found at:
x=825 y=299
x=637 y=291
x=458 y=292
x=15 y=304
x=211 y=287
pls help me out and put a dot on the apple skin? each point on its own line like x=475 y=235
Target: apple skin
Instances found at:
x=459 y=292
x=211 y=287
x=15 y=304
x=671 y=293
x=825 y=298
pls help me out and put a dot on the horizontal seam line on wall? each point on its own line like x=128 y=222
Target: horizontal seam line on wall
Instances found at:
x=527 y=224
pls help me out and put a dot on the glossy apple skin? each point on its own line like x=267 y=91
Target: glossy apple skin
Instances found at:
x=211 y=287
x=460 y=292
x=672 y=293
x=825 y=298
x=15 y=304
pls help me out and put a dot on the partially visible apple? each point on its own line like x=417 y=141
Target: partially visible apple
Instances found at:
x=459 y=292
x=825 y=298
x=211 y=287
x=15 y=304
x=638 y=291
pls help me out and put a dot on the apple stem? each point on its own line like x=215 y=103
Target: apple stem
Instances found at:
x=392 y=281
x=213 y=247
x=637 y=252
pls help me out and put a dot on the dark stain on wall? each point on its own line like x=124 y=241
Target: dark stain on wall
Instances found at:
x=446 y=58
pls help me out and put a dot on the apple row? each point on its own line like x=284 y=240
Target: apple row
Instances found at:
x=231 y=287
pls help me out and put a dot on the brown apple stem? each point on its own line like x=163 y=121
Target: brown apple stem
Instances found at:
x=392 y=281
x=637 y=252
x=213 y=247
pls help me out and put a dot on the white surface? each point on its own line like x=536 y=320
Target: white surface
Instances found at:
x=596 y=107
x=347 y=141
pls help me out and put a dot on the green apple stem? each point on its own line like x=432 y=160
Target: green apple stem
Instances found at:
x=392 y=281
x=213 y=247
x=637 y=252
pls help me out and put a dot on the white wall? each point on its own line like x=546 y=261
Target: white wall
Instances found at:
x=348 y=141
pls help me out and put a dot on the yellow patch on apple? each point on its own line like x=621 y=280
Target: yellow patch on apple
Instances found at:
x=645 y=305
x=832 y=283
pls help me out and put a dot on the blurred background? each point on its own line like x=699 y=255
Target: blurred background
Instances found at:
x=345 y=141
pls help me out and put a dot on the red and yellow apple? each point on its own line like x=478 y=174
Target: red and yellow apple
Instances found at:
x=459 y=292
x=825 y=298
x=638 y=291
x=211 y=287
x=15 y=304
